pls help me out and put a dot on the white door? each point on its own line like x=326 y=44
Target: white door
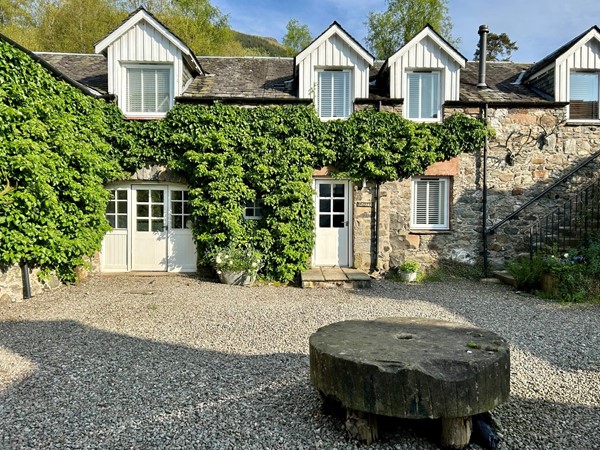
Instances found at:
x=181 y=247
x=149 y=234
x=332 y=241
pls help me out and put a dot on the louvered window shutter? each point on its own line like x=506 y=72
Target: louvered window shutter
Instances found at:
x=134 y=90
x=148 y=90
x=334 y=94
x=423 y=95
x=584 y=96
x=430 y=203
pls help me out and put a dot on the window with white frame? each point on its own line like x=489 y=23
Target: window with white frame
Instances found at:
x=253 y=210
x=424 y=99
x=148 y=89
x=335 y=98
x=430 y=203
x=116 y=209
x=584 y=97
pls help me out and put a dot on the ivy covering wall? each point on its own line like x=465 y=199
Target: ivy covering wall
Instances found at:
x=59 y=147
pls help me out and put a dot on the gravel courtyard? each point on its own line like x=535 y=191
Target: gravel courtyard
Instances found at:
x=175 y=362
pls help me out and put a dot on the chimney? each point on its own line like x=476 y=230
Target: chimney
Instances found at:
x=483 y=32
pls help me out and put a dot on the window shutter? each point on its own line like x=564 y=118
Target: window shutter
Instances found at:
x=163 y=91
x=584 y=96
x=414 y=94
x=430 y=203
x=134 y=89
x=420 y=206
x=334 y=94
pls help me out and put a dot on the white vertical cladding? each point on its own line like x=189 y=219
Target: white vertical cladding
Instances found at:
x=334 y=52
x=142 y=44
x=583 y=57
x=425 y=55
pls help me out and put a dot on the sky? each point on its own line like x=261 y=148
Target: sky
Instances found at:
x=539 y=27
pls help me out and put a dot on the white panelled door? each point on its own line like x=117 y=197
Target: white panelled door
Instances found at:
x=332 y=240
x=149 y=234
x=151 y=230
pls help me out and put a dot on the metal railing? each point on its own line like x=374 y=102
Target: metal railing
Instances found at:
x=565 y=227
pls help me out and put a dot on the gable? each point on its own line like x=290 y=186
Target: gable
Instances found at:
x=585 y=55
x=426 y=51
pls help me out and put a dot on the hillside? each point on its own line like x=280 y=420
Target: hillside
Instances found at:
x=266 y=46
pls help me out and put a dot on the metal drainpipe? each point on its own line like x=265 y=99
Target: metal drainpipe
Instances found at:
x=485 y=194
x=25 y=280
x=377 y=224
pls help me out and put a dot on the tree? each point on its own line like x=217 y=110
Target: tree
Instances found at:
x=16 y=21
x=297 y=37
x=499 y=47
x=402 y=20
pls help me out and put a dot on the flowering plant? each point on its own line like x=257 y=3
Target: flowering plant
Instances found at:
x=235 y=258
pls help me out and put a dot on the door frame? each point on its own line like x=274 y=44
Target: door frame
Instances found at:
x=350 y=217
x=129 y=186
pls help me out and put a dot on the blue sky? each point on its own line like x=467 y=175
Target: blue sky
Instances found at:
x=539 y=27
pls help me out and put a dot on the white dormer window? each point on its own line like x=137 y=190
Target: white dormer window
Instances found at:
x=149 y=90
x=584 y=97
x=424 y=102
x=334 y=96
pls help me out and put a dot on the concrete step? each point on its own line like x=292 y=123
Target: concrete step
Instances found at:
x=335 y=277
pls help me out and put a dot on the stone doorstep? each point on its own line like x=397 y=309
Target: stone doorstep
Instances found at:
x=505 y=277
x=335 y=277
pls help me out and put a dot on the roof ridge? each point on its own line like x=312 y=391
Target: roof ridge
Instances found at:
x=248 y=57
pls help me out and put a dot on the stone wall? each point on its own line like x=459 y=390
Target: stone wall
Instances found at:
x=532 y=148
x=11 y=284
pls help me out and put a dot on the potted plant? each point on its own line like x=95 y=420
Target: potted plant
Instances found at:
x=408 y=271
x=236 y=264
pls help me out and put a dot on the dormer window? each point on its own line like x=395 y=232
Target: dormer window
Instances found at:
x=584 y=97
x=424 y=100
x=334 y=96
x=149 y=90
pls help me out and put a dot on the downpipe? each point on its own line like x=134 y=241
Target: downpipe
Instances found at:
x=25 y=280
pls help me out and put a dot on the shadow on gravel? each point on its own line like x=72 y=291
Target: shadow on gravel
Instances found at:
x=527 y=322
x=92 y=388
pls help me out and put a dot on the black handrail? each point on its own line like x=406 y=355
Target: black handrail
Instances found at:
x=514 y=214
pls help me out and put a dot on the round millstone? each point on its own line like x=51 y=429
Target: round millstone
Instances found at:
x=411 y=368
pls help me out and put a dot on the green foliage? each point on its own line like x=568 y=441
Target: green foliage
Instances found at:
x=59 y=147
x=402 y=20
x=409 y=266
x=499 y=47
x=55 y=152
x=296 y=37
x=527 y=272
x=235 y=258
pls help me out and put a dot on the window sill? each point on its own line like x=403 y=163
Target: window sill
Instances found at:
x=425 y=120
x=579 y=122
x=142 y=116
x=424 y=231
x=327 y=119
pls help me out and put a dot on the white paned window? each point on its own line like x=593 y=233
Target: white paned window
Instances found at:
x=424 y=100
x=584 y=96
x=148 y=90
x=116 y=209
x=335 y=100
x=430 y=203
x=253 y=210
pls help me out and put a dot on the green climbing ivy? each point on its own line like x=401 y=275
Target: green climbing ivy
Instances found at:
x=59 y=147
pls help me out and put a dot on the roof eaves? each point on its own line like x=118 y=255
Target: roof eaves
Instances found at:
x=330 y=30
x=429 y=31
x=541 y=65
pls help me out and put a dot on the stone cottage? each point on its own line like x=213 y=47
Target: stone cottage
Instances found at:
x=545 y=116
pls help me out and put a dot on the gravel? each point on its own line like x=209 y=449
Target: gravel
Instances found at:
x=175 y=362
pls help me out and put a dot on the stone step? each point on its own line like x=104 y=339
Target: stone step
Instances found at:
x=335 y=277
x=505 y=277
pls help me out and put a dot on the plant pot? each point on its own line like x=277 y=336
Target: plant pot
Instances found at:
x=550 y=283
x=236 y=278
x=408 y=277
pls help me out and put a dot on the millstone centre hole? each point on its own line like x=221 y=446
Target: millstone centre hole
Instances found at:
x=405 y=336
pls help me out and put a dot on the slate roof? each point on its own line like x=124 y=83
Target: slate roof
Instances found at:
x=500 y=78
x=244 y=77
x=88 y=69
x=271 y=78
